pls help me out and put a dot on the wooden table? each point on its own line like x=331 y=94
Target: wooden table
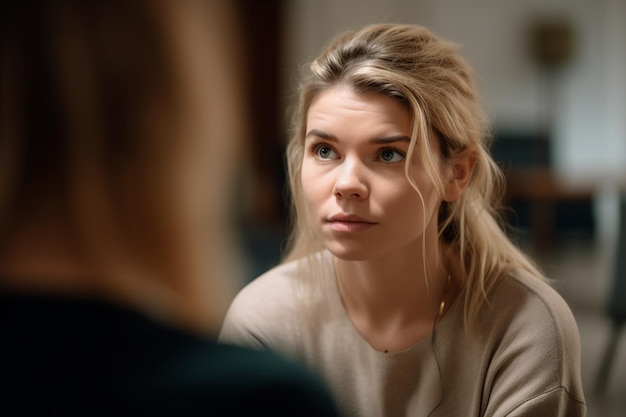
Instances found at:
x=543 y=187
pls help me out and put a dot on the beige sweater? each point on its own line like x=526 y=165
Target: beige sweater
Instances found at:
x=523 y=359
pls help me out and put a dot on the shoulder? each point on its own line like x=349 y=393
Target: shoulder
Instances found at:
x=275 y=310
x=532 y=340
x=187 y=375
x=240 y=381
x=100 y=358
x=525 y=302
x=263 y=308
x=526 y=314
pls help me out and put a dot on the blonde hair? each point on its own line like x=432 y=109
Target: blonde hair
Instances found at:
x=105 y=106
x=410 y=64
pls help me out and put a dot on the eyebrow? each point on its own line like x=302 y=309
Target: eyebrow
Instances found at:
x=375 y=141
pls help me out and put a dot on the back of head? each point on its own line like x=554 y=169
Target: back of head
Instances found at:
x=117 y=122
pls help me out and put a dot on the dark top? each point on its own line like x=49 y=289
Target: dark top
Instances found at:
x=63 y=355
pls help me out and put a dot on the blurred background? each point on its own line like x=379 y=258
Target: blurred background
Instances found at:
x=553 y=78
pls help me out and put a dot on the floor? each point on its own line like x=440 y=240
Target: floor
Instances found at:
x=581 y=271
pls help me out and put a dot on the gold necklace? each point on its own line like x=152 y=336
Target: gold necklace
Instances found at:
x=442 y=305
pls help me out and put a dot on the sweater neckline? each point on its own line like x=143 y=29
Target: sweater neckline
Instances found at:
x=426 y=343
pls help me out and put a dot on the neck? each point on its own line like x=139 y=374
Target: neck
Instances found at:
x=394 y=301
x=399 y=286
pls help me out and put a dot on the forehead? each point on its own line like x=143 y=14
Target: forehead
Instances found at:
x=347 y=111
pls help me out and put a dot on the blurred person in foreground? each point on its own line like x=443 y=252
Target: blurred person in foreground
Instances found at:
x=400 y=287
x=119 y=127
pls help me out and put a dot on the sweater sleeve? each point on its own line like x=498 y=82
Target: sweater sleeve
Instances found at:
x=553 y=403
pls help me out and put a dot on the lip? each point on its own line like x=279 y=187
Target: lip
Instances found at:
x=349 y=223
x=350 y=218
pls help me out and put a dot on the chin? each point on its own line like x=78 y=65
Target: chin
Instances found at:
x=352 y=252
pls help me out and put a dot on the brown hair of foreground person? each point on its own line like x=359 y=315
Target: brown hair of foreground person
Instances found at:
x=120 y=121
x=108 y=184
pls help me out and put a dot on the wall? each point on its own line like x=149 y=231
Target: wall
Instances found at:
x=589 y=94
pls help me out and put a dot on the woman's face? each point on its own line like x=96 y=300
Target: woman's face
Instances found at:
x=360 y=202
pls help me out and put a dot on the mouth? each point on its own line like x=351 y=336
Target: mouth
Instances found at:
x=352 y=218
x=349 y=223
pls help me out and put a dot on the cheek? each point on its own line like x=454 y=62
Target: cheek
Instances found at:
x=313 y=185
x=407 y=207
x=313 y=201
x=427 y=188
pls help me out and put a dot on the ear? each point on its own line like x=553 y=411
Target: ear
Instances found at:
x=459 y=174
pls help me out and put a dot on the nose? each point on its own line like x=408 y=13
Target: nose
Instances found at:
x=350 y=182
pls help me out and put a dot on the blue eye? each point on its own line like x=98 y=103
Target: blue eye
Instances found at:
x=324 y=152
x=390 y=155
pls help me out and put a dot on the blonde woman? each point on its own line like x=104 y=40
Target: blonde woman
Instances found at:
x=400 y=288
x=117 y=123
